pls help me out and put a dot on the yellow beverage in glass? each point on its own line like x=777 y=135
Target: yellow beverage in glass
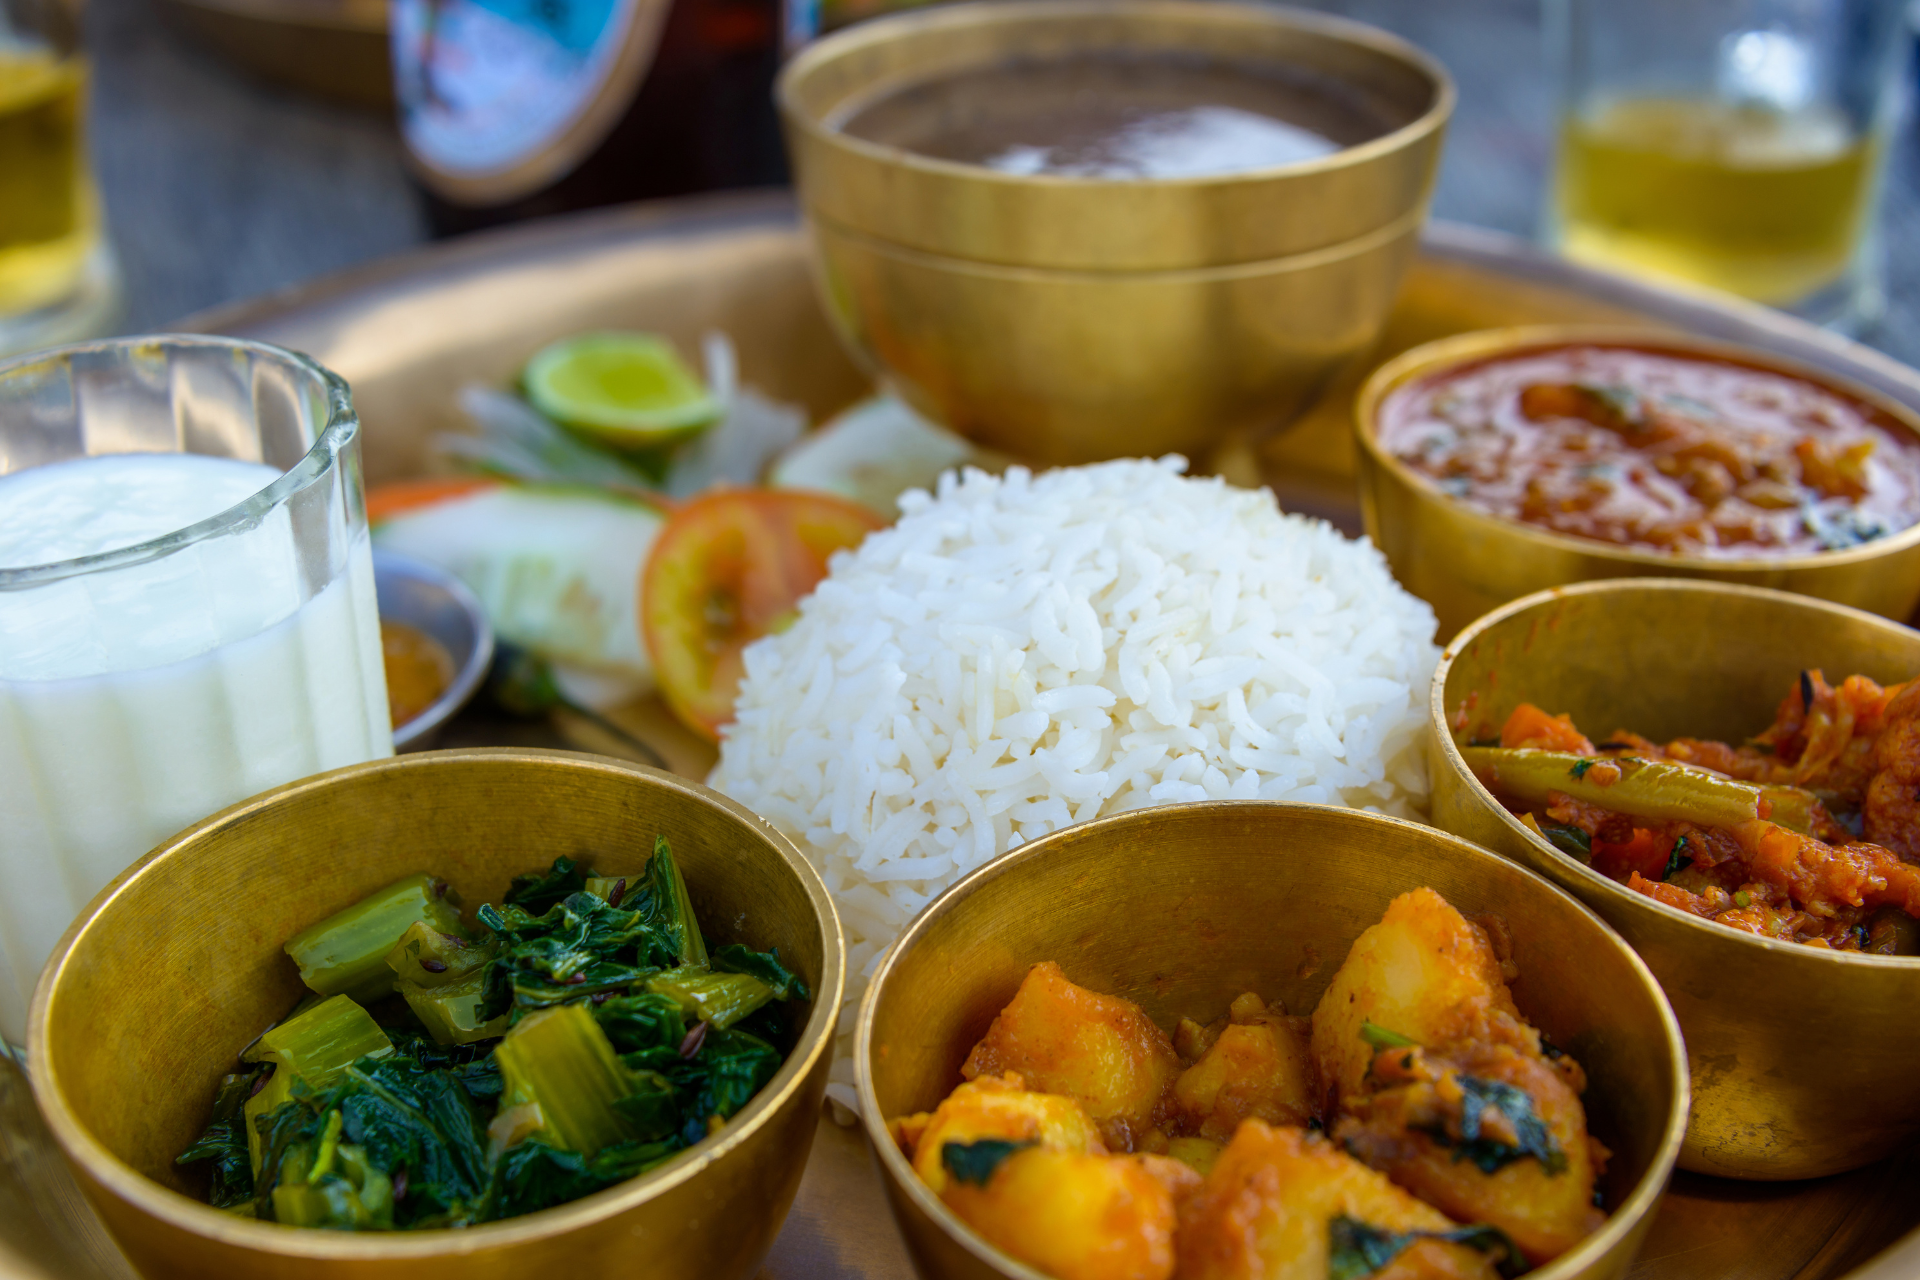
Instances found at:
x=1765 y=203
x=49 y=212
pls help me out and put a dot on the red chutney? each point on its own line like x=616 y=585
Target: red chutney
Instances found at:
x=1662 y=452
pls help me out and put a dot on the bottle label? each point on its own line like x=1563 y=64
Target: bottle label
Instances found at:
x=498 y=98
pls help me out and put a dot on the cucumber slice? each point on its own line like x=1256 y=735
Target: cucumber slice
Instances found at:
x=874 y=452
x=557 y=569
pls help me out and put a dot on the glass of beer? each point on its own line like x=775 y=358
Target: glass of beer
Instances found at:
x=57 y=276
x=1735 y=144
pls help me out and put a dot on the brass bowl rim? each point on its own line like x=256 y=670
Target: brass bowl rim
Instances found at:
x=1644 y=1197
x=1448 y=353
x=981 y=13
x=1408 y=223
x=1617 y=894
x=185 y=1214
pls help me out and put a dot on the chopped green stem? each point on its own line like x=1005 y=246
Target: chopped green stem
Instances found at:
x=346 y=954
x=1658 y=790
x=722 y=999
x=318 y=1045
x=560 y=1060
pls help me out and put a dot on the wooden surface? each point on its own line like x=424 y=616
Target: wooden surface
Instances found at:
x=410 y=333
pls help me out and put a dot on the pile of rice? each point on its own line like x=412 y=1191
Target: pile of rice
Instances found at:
x=1023 y=652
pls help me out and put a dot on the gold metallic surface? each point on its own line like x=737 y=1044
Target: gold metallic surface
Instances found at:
x=987 y=216
x=177 y=965
x=1465 y=562
x=1802 y=1059
x=1076 y=366
x=1068 y=319
x=411 y=331
x=1181 y=908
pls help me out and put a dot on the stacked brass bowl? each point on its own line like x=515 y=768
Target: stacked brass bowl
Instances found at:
x=1066 y=319
x=177 y=966
x=1802 y=1058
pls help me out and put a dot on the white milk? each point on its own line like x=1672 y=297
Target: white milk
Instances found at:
x=134 y=702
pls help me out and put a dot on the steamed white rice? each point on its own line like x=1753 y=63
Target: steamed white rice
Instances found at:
x=1023 y=652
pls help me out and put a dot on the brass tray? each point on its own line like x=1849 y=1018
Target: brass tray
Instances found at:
x=409 y=332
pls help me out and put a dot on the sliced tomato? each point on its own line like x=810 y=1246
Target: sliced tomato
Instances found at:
x=386 y=501
x=728 y=568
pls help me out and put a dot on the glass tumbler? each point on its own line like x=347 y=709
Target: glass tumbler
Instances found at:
x=187 y=609
x=1736 y=144
x=58 y=281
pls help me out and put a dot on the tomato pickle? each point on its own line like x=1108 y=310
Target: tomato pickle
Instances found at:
x=1808 y=832
x=1659 y=451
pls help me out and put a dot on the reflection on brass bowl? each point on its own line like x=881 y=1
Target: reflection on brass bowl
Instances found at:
x=177 y=965
x=1183 y=907
x=1069 y=318
x=1075 y=366
x=1802 y=1058
x=1464 y=562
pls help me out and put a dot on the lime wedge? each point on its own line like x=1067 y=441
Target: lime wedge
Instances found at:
x=627 y=390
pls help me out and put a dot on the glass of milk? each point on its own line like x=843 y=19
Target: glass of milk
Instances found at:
x=186 y=609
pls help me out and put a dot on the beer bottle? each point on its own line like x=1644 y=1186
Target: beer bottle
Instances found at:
x=513 y=109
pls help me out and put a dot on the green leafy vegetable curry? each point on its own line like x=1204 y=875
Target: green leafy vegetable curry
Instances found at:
x=441 y=1076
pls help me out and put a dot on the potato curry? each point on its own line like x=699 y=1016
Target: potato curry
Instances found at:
x=1415 y=1126
x=1807 y=832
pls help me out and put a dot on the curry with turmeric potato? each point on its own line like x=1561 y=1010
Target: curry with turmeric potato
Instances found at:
x=1809 y=831
x=1415 y=1127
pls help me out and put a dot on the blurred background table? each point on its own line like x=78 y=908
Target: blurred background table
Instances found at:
x=219 y=186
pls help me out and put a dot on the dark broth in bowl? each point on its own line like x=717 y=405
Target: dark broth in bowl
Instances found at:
x=1122 y=117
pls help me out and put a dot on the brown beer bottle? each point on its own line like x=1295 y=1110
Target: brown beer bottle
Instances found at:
x=514 y=109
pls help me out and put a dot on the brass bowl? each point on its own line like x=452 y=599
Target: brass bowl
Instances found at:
x=177 y=965
x=1071 y=319
x=1183 y=907
x=1464 y=562
x=1802 y=1059
x=1075 y=366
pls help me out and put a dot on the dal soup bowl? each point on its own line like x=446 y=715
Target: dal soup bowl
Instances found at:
x=1071 y=319
x=1464 y=561
x=1801 y=1057
x=1181 y=908
x=177 y=966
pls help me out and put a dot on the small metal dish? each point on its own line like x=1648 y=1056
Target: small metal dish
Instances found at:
x=433 y=601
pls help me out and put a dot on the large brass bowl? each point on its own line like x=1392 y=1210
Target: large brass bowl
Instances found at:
x=1802 y=1059
x=1071 y=319
x=177 y=965
x=1181 y=908
x=1464 y=562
